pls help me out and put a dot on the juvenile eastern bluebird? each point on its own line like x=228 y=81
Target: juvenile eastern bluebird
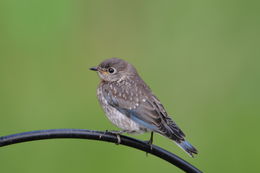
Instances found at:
x=130 y=104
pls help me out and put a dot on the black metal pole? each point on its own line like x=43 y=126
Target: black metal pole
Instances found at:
x=98 y=135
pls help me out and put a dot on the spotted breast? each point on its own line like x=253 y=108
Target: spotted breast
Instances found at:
x=113 y=90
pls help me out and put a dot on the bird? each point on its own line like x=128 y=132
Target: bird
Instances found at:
x=130 y=104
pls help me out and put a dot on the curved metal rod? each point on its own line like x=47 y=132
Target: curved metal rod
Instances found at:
x=101 y=136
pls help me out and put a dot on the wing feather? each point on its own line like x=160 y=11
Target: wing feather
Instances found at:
x=137 y=102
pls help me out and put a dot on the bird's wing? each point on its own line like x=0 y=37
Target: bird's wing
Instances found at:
x=169 y=127
x=140 y=105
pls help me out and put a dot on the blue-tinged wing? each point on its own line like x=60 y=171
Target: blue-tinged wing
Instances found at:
x=136 y=101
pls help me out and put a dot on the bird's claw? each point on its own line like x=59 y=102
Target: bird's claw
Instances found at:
x=118 y=139
x=150 y=143
x=117 y=133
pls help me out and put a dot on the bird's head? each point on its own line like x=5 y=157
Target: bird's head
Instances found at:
x=114 y=69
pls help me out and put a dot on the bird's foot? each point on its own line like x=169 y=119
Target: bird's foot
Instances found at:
x=117 y=133
x=150 y=143
x=151 y=146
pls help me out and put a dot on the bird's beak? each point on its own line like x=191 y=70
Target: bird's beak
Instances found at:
x=93 y=69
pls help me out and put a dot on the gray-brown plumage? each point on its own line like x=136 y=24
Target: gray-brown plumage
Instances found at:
x=130 y=104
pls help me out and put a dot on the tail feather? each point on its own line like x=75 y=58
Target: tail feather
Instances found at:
x=187 y=147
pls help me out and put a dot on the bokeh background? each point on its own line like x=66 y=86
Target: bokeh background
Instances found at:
x=201 y=58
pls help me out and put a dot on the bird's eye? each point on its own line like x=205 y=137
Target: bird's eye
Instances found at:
x=111 y=70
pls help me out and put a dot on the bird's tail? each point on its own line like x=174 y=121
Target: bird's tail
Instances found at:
x=187 y=147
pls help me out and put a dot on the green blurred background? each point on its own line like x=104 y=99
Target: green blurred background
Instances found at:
x=201 y=58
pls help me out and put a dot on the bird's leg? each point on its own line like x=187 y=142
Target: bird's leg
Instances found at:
x=150 y=142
